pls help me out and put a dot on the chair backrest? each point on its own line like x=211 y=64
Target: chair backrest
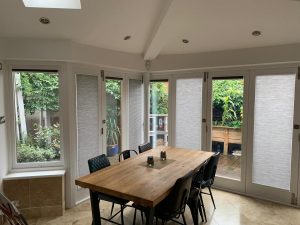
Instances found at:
x=145 y=147
x=176 y=201
x=198 y=177
x=98 y=163
x=10 y=212
x=211 y=168
x=126 y=154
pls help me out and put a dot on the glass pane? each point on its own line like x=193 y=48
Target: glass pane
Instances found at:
x=189 y=113
x=158 y=118
x=273 y=130
x=37 y=117
x=87 y=117
x=113 y=119
x=227 y=122
x=135 y=114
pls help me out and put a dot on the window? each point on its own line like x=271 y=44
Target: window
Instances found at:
x=55 y=4
x=38 y=136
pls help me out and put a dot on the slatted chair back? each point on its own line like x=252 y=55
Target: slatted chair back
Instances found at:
x=10 y=212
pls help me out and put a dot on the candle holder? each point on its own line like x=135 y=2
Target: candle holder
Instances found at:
x=150 y=161
x=163 y=155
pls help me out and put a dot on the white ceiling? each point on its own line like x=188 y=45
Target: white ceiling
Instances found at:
x=158 y=26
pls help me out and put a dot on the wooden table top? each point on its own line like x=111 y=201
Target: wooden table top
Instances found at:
x=143 y=185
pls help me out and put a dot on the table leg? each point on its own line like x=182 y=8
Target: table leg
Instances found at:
x=95 y=208
x=150 y=216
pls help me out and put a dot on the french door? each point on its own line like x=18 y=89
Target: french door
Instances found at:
x=227 y=117
x=273 y=156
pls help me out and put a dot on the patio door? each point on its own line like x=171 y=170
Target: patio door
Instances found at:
x=88 y=129
x=227 y=126
x=273 y=159
x=112 y=114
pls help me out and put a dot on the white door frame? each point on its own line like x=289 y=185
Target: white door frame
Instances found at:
x=223 y=182
x=261 y=191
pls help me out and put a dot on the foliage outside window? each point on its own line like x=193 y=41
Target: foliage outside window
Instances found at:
x=159 y=98
x=113 y=116
x=228 y=103
x=37 y=119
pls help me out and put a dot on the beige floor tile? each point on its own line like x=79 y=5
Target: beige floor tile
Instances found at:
x=232 y=209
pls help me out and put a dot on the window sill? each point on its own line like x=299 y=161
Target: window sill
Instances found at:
x=34 y=174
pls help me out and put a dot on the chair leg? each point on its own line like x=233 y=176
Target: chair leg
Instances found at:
x=122 y=216
x=156 y=220
x=184 y=221
x=194 y=206
x=134 y=217
x=202 y=207
x=212 y=198
x=142 y=215
x=112 y=208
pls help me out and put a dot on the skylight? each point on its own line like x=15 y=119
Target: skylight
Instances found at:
x=53 y=4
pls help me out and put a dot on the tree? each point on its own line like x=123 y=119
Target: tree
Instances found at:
x=228 y=102
x=158 y=98
x=40 y=91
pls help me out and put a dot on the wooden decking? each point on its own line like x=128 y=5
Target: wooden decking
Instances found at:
x=229 y=166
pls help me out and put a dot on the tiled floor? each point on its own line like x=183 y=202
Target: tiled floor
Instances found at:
x=231 y=209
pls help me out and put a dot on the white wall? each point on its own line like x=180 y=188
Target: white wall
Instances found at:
x=68 y=51
x=229 y=58
x=3 y=143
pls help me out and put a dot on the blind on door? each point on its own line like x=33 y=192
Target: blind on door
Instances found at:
x=189 y=113
x=273 y=130
x=135 y=113
x=87 y=121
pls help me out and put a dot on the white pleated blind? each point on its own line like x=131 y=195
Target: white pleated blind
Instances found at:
x=135 y=114
x=273 y=130
x=189 y=113
x=87 y=121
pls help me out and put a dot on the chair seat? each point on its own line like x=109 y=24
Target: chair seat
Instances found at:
x=110 y=198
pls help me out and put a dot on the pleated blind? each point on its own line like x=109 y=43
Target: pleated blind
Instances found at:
x=189 y=113
x=273 y=130
x=87 y=121
x=135 y=113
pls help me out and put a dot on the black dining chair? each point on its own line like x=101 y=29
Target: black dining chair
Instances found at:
x=126 y=154
x=209 y=175
x=95 y=164
x=145 y=147
x=10 y=212
x=173 y=206
x=195 y=201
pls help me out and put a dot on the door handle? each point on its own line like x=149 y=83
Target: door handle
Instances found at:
x=296 y=126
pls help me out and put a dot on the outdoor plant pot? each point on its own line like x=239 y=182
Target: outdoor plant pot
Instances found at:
x=112 y=150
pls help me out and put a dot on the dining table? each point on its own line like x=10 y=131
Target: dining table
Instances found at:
x=137 y=181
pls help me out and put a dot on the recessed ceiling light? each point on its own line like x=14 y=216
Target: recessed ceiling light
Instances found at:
x=127 y=37
x=44 y=20
x=256 y=33
x=53 y=4
x=185 y=41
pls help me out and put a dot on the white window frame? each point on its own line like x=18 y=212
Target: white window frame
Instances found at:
x=13 y=166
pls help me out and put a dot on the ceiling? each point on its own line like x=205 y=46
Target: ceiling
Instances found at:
x=158 y=26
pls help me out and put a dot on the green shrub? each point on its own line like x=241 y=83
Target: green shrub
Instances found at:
x=29 y=153
x=43 y=146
